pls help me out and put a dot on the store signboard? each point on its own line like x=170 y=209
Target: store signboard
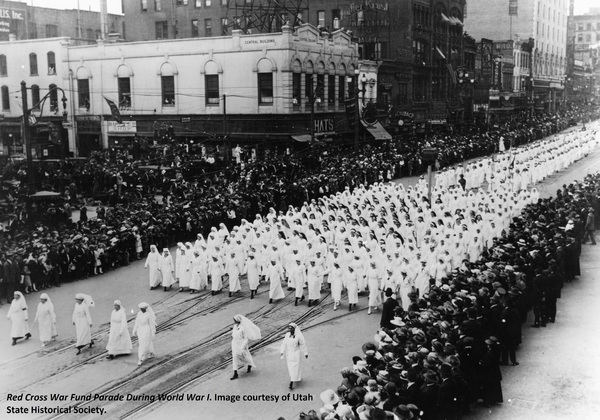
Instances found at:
x=127 y=127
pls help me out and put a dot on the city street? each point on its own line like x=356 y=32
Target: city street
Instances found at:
x=556 y=378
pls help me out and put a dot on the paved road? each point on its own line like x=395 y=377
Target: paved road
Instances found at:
x=558 y=376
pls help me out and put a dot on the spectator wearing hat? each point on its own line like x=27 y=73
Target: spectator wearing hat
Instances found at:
x=510 y=333
x=539 y=296
x=590 y=226
x=388 y=309
x=428 y=396
x=491 y=376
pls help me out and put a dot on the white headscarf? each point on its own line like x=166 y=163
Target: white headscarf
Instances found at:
x=297 y=331
x=251 y=330
x=86 y=298
x=17 y=304
x=150 y=313
x=48 y=301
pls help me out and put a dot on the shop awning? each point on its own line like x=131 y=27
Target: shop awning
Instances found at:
x=377 y=131
x=303 y=138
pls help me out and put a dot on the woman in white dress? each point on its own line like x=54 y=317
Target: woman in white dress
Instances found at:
x=119 y=340
x=19 y=317
x=199 y=274
x=292 y=349
x=153 y=262
x=243 y=330
x=166 y=268
x=253 y=272
x=274 y=275
x=83 y=321
x=184 y=267
x=46 y=319
x=145 y=329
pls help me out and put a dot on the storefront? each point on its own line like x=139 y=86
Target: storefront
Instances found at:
x=89 y=134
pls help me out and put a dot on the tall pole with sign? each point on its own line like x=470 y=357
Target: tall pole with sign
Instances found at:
x=27 y=139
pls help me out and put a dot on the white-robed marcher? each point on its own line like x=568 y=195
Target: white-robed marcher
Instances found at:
x=314 y=275
x=119 y=340
x=252 y=270
x=199 y=278
x=233 y=269
x=152 y=263
x=167 y=269
x=46 y=319
x=292 y=349
x=19 y=317
x=243 y=330
x=274 y=275
x=183 y=267
x=145 y=329
x=83 y=321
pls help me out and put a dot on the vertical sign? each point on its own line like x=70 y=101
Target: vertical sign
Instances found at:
x=512 y=7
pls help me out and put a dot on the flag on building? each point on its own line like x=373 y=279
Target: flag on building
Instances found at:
x=114 y=110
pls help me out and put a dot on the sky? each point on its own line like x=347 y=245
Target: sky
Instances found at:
x=114 y=6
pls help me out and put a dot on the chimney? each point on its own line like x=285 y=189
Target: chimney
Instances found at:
x=104 y=19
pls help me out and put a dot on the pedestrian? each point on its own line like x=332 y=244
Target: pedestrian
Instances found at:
x=46 y=319
x=83 y=321
x=119 y=340
x=590 y=226
x=153 y=263
x=388 y=310
x=19 y=317
x=292 y=348
x=252 y=271
x=184 y=267
x=166 y=269
x=145 y=329
x=243 y=330
x=274 y=274
x=232 y=268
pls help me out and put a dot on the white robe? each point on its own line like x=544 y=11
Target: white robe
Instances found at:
x=293 y=348
x=119 y=340
x=18 y=315
x=166 y=270
x=239 y=349
x=46 y=319
x=152 y=262
x=252 y=270
x=83 y=321
x=145 y=329
x=184 y=268
x=274 y=274
x=199 y=278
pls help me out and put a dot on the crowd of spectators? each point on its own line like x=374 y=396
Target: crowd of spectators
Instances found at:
x=170 y=194
x=443 y=355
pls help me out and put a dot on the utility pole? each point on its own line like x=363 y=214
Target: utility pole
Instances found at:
x=356 y=111
x=27 y=139
x=225 y=136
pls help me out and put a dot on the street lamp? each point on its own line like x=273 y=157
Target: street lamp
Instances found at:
x=27 y=134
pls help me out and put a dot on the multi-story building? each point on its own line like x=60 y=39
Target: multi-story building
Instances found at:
x=23 y=21
x=262 y=87
x=545 y=22
x=417 y=45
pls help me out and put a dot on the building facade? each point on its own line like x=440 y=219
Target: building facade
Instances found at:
x=418 y=45
x=544 y=22
x=244 y=88
x=23 y=21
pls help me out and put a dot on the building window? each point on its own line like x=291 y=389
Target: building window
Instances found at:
x=35 y=97
x=83 y=91
x=208 y=3
x=195 y=31
x=224 y=25
x=265 y=88
x=51 y=31
x=157 y=5
x=144 y=5
x=53 y=97
x=3 y=67
x=162 y=29
x=308 y=87
x=336 y=18
x=33 y=69
x=124 y=85
x=181 y=2
x=51 y=63
x=320 y=89
x=198 y=3
x=5 y=99
x=321 y=18
x=296 y=89
x=331 y=89
x=212 y=89
x=402 y=93
x=588 y=38
x=167 y=84
x=579 y=37
x=341 y=89
x=420 y=52
x=207 y=27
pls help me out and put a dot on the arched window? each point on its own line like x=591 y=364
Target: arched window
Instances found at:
x=3 y=67
x=35 y=96
x=33 y=67
x=265 y=82
x=53 y=98
x=51 y=62
x=5 y=99
x=124 y=86
x=331 y=85
x=296 y=83
x=309 y=81
x=167 y=84
x=83 y=88
x=211 y=84
x=341 y=83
